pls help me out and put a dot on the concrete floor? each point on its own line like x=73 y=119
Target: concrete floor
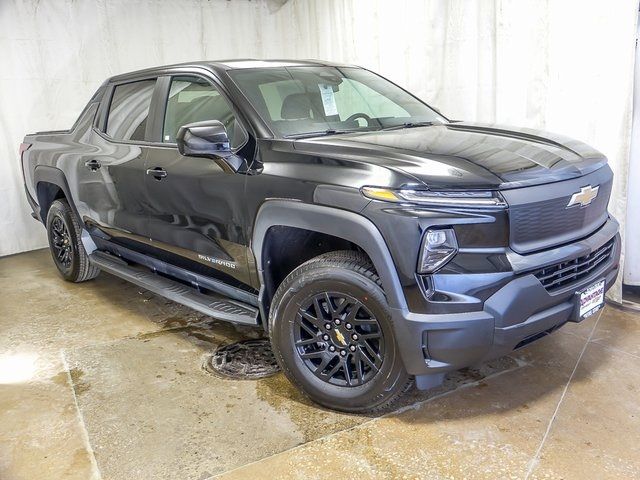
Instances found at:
x=103 y=380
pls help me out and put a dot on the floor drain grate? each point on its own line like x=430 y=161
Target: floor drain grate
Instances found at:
x=249 y=360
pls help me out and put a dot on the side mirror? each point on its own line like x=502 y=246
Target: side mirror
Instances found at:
x=209 y=139
x=204 y=139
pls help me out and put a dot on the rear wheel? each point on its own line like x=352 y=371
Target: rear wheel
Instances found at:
x=330 y=329
x=64 y=233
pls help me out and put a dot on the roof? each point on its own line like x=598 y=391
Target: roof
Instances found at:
x=257 y=63
x=233 y=64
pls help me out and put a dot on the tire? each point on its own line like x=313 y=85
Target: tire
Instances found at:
x=303 y=342
x=67 y=251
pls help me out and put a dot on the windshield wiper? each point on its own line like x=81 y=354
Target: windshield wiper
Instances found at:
x=410 y=125
x=322 y=133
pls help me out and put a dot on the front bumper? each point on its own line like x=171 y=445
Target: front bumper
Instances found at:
x=516 y=314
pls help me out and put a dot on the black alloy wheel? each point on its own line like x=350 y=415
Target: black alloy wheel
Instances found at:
x=64 y=233
x=338 y=339
x=332 y=334
x=61 y=242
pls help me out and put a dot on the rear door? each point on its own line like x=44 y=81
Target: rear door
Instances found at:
x=196 y=209
x=111 y=183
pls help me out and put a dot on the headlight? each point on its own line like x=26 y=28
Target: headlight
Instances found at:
x=470 y=198
x=438 y=247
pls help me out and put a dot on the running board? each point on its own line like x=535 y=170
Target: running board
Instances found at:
x=216 y=306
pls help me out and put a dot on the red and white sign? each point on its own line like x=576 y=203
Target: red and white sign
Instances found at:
x=591 y=299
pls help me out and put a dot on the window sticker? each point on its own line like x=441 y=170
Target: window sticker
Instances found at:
x=328 y=99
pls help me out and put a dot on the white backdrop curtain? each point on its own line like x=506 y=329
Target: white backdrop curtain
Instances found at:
x=565 y=66
x=632 y=259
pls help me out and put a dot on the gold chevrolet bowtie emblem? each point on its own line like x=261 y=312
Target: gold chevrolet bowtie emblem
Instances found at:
x=340 y=337
x=584 y=197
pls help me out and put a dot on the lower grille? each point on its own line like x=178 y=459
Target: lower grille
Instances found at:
x=559 y=275
x=537 y=336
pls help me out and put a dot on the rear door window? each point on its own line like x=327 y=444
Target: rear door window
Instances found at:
x=129 y=110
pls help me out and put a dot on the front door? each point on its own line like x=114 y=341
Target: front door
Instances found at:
x=196 y=213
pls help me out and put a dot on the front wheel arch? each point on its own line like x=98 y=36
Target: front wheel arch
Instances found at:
x=345 y=225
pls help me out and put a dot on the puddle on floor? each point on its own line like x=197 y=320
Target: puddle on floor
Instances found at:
x=150 y=408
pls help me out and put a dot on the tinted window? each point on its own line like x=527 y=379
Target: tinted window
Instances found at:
x=129 y=110
x=192 y=99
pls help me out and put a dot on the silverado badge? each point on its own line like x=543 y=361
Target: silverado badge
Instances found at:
x=584 y=197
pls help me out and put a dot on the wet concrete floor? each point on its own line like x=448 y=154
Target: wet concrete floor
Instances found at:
x=105 y=380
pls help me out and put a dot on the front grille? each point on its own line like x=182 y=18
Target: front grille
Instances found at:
x=540 y=219
x=556 y=276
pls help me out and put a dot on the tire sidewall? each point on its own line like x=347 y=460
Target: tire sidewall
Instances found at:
x=58 y=210
x=329 y=278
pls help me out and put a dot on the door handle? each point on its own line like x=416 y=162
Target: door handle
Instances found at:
x=92 y=165
x=158 y=172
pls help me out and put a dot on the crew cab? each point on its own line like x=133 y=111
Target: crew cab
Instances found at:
x=375 y=241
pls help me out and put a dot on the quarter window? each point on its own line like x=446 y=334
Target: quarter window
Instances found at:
x=192 y=99
x=129 y=110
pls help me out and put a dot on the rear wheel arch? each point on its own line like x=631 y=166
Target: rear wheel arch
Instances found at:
x=51 y=184
x=337 y=229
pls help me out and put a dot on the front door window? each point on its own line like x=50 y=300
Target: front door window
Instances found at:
x=192 y=99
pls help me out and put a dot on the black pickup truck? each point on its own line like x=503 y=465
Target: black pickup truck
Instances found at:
x=376 y=242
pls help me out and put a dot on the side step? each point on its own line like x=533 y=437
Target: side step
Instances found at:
x=216 y=306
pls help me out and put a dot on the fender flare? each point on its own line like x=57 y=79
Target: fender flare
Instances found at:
x=344 y=224
x=55 y=176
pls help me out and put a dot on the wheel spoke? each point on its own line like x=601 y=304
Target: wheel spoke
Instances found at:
x=367 y=360
x=306 y=328
x=351 y=316
x=358 y=364
x=310 y=341
x=374 y=354
x=365 y=321
x=330 y=308
x=370 y=336
x=315 y=321
x=335 y=369
x=342 y=307
x=310 y=355
x=318 y=371
x=320 y=313
x=347 y=371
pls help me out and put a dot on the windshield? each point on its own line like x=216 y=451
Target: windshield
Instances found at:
x=308 y=101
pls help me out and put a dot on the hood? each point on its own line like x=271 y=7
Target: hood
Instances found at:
x=465 y=155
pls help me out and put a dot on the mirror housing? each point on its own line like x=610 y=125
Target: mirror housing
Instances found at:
x=204 y=139
x=209 y=139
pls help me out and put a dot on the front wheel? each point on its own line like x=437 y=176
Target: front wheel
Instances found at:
x=331 y=333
